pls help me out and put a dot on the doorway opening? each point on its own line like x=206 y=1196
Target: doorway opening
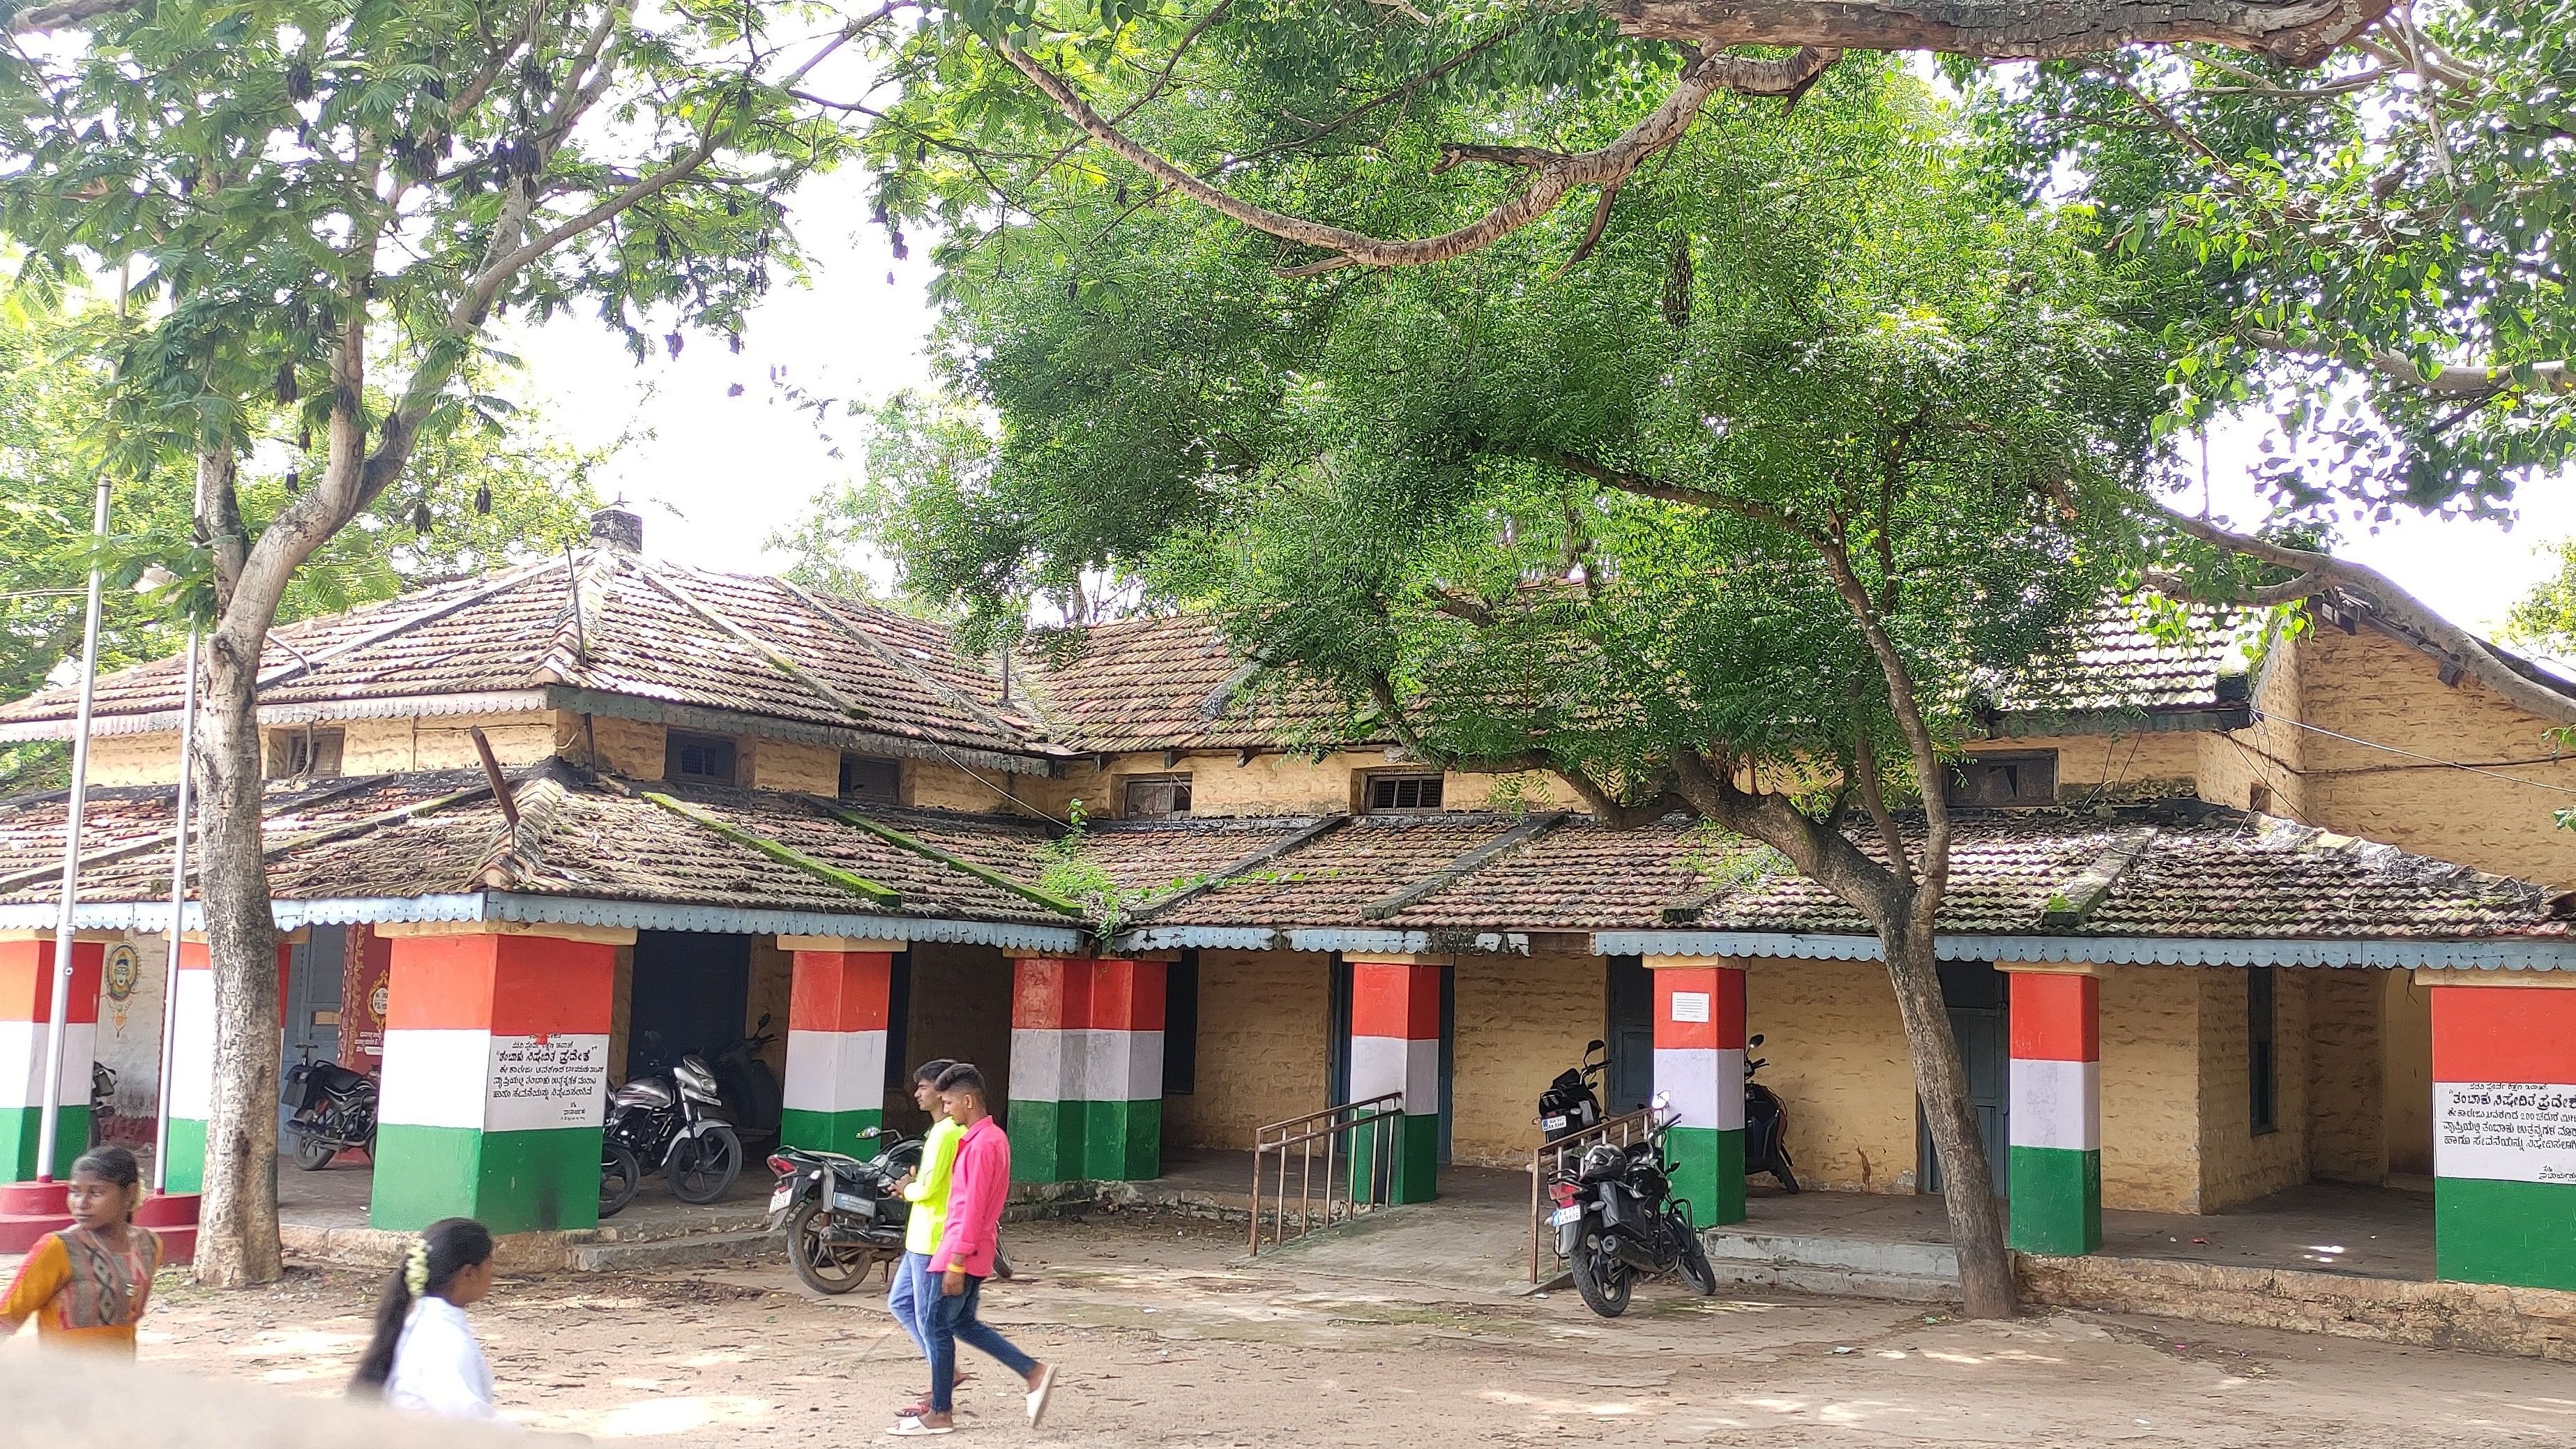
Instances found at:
x=1979 y=999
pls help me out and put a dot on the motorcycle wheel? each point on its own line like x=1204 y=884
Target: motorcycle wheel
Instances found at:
x=704 y=1166
x=619 y=1175
x=1001 y=1264
x=312 y=1153
x=824 y=1267
x=1603 y=1280
x=1780 y=1170
x=1695 y=1268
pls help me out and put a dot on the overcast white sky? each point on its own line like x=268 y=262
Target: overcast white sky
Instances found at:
x=717 y=474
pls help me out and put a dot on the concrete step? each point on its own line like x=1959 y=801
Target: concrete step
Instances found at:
x=1907 y=1271
x=22 y=1231
x=653 y=1253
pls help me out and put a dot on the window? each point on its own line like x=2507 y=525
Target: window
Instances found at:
x=699 y=759
x=1181 y=1026
x=302 y=751
x=2261 y=1079
x=1403 y=792
x=1157 y=797
x=865 y=777
x=1994 y=780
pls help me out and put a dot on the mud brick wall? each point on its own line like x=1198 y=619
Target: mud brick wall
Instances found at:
x=2115 y=766
x=938 y=785
x=621 y=1014
x=1838 y=1059
x=2372 y=687
x=134 y=759
x=773 y=976
x=626 y=747
x=1264 y=1054
x=809 y=769
x=1519 y=1021
x=2347 y=1116
x=2150 y=1024
x=961 y=1009
x=2406 y=1071
x=440 y=742
x=2238 y=1164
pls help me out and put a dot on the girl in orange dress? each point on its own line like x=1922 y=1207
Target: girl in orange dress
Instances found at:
x=87 y=1285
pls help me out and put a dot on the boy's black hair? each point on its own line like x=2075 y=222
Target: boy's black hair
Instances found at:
x=113 y=1164
x=962 y=1078
x=932 y=1070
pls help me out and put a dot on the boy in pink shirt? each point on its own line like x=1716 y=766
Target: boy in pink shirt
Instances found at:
x=978 y=1185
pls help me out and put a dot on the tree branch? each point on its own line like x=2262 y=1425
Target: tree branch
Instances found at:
x=1548 y=184
x=2478 y=380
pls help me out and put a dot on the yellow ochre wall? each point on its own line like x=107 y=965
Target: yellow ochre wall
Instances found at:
x=1264 y=1048
x=1838 y=1060
x=1520 y=1020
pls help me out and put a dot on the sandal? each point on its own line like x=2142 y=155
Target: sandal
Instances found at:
x=909 y=1427
x=1038 y=1395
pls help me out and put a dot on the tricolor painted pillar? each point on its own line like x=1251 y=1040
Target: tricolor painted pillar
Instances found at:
x=2055 y=1168
x=1395 y=1048
x=26 y=1011
x=836 y=1041
x=495 y=1075
x=2504 y=1126
x=1086 y=1074
x=191 y=1002
x=1699 y=1062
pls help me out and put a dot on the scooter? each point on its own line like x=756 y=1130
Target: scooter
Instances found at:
x=679 y=1122
x=1570 y=1105
x=335 y=1110
x=1766 y=1126
x=750 y=1088
x=1617 y=1220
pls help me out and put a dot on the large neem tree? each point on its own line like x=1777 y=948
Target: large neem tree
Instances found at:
x=1733 y=516
x=322 y=205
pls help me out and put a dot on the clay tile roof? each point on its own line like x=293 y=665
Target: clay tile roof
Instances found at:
x=1173 y=683
x=1328 y=881
x=2118 y=663
x=646 y=629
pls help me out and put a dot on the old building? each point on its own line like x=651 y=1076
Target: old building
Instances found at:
x=2227 y=916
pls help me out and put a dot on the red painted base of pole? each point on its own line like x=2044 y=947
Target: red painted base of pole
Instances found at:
x=20 y=1232
x=40 y=1198
x=169 y=1210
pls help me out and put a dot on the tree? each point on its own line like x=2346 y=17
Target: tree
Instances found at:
x=324 y=203
x=1732 y=516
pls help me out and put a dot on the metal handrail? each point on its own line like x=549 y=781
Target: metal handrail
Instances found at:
x=1548 y=1163
x=1375 y=1117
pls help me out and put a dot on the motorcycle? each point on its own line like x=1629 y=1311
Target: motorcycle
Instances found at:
x=751 y=1090
x=102 y=1098
x=679 y=1122
x=1616 y=1219
x=1569 y=1105
x=843 y=1214
x=335 y=1110
x=1766 y=1126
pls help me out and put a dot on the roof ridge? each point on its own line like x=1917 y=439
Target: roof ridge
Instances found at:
x=1463 y=865
x=777 y=657
x=858 y=885
x=953 y=861
x=896 y=661
x=1288 y=844
x=508 y=579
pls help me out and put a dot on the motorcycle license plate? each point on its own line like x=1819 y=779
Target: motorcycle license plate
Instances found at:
x=778 y=1198
x=1551 y=1124
x=843 y=1202
x=1564 y=1215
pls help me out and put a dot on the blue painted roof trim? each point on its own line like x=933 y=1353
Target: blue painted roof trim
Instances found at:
x=564 y=910
x=1411 y=943
x=1207 y=938
x=2493 y=954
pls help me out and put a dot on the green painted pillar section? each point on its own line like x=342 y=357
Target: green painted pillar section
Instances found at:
x=1707 y=1168
x=19 y=1140
x=830 y=1131
x=2056 y=1201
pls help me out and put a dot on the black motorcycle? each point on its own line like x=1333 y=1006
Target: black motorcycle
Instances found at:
x=335 y=1110
x=843 y=1215
x=1569 y=1105
x=1766 y=1126
x=679 y=1122
x=1616 y=1219
x=751 y=1090
x=102 y=1101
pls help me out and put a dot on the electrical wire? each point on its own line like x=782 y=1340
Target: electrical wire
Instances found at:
x=2416 y=755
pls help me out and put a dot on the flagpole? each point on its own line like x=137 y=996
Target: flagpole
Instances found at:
x=48 y=1129
x=178 y=901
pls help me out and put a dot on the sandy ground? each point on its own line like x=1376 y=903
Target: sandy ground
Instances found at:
x=1164 y=1339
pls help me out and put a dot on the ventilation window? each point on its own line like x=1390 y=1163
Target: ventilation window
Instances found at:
x=1403 y=792
x=699 y=759
x=303 y=752
x=1157 y=797
x=2001 y=780
x=865 y=777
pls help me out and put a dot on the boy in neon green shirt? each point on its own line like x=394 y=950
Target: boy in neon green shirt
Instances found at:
x=913 y=1297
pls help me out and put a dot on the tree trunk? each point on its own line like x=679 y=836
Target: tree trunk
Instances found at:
x=1967 y=1191
x=237 y=1237
x=2301 y=32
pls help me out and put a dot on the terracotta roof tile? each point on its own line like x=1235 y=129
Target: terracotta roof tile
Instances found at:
x=1172 y=683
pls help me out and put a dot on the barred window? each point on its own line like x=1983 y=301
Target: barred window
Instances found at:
x=1403 y=792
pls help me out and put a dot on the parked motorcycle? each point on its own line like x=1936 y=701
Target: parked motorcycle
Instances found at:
x=1766 y=1126
x=678 y=1122
x=1616 y=1220
x=1569 y=1105
x=102 y=1101
x=843 y=1214
x=335 y=1110
x=750 y=1088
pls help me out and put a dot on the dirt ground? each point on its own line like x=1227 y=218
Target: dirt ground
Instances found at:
x=1164 y=1339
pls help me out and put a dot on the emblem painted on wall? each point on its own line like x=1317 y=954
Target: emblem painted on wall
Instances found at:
x=122 y=970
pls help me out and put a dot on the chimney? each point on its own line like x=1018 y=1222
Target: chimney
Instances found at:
x=614 y=527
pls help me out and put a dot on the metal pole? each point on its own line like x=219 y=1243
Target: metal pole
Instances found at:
x=178 y=900
x=59 y=1024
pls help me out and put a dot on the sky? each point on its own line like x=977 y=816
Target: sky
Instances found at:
x=718 y=472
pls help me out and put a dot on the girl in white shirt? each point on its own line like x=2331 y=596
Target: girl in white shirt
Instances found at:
x=424 y=1357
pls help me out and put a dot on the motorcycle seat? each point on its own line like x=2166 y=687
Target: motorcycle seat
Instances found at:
x=338 y=1079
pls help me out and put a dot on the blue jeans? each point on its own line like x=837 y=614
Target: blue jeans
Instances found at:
x=911 y=1298
x=953 y=1321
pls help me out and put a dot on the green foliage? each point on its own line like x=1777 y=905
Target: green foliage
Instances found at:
x=2317 y=244
x=2546 y=617
x=1794 y=333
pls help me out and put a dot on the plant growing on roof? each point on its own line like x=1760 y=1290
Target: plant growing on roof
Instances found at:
x=321 y=206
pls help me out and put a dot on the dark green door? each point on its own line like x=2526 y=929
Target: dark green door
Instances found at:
x=1979 y=1000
